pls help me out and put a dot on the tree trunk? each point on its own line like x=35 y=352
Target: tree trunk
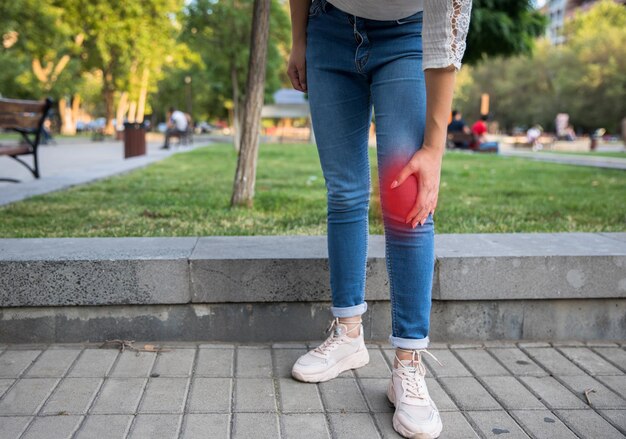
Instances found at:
x=143 y=93
x=243 y=190
x=122 y=108
x=236 y=109
x=75 y=111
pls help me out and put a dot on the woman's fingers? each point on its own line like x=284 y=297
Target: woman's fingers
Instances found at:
x=410 y=168
x=302 y=76
x=294 y=77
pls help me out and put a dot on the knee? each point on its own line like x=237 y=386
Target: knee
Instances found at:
x=348 y=201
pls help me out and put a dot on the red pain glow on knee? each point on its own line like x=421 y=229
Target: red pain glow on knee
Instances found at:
x=398 y=202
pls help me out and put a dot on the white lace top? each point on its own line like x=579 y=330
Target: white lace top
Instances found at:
x=444 y=28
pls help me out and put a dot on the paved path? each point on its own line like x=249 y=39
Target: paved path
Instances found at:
x=501 y=390
x=569 y=159
x=76 y=161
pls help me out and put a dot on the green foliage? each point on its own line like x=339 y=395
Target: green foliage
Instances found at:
x=502 y=27
x=219 y=32
x=189 y=194
x=585 y=77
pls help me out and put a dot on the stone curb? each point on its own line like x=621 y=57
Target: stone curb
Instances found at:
x=145 y=271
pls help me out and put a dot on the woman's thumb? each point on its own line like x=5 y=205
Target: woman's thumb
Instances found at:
x=408 y=170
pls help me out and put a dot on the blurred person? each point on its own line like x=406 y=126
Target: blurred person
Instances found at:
x=177 y=125
x=479 y=130
x=457 y=125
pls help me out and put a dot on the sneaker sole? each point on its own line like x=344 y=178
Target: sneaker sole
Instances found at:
x=405 y=432
x=354 y=361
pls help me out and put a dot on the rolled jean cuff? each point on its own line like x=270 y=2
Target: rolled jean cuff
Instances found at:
x=349 y=311
x=409 y=343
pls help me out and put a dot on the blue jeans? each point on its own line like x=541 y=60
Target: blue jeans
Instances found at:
x=354 y=64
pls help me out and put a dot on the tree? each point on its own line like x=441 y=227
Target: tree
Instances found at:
x=220 y=33
x=243 y=190
x=502 y=28
x=583 y=77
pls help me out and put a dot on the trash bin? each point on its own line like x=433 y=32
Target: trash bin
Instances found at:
x=134 y=139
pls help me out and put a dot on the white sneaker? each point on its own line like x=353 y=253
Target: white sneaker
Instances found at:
x=338 y=353
x=416 y=415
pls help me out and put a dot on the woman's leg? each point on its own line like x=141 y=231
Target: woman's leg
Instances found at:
x=339 y=98
x=399 y=98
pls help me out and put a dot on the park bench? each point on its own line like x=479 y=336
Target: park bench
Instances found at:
x=456 y=138
x=27 y=118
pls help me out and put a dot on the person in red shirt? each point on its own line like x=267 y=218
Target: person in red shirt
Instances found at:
x=479 y=129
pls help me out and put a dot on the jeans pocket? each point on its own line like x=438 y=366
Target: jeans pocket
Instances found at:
x=316 y=8
x=415 y=18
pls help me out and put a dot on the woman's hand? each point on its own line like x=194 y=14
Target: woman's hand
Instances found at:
x=426 y=166
x=296 y=69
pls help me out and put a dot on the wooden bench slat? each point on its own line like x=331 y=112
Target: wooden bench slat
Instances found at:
x=15 y=150
x=16 y=120
x=21 y=106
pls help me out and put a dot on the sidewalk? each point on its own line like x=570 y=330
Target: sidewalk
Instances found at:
x=569 y=159
x=499 y=390
x=77 y=161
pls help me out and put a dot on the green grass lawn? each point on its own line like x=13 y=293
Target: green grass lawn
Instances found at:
x=188 y=195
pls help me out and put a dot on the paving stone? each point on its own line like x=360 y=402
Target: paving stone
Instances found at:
x=511 y=394
x=105 y=426
x=588 y=424
x=469 y=394
x=496 y=424
x=534 y=344
x=543 y=424
x=216 y=346
x=119 y=396
x=452 y=367
x=617 y=417
x=617 y=356
x=14 y=362
x=616 y=383
x=13 y=426
x=568 y=343
x=465 y=346
x=216 y=362
x=175 y=363
x=255 y=395
x=72 y=396
x=53 y=363
x=57 y=427
x=342 y=395
x=602 y=397
x=352 y=425
x=456 y=426
x=254 y=363
x=518 y=362
x=284 y=360
x=442 y=400
x=375 y=391
x=255 y=425
x=311 y=425
x=554 y=361
x=4 y=385
x=134 y=364
x=481 y=363
x=206 y=426
x=499 y=344
x=385 y=425
x=289 y=345
x=590 y=362
x=601 y=344
x=153 y=426
x=94 y=363
x=553 y=393
x=376 y=368
x=165 y=395
x=27 y=396
x=211 y=395
x=296 y=397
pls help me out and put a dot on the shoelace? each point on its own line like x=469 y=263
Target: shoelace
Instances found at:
x=333 y=341
x=413 y=376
